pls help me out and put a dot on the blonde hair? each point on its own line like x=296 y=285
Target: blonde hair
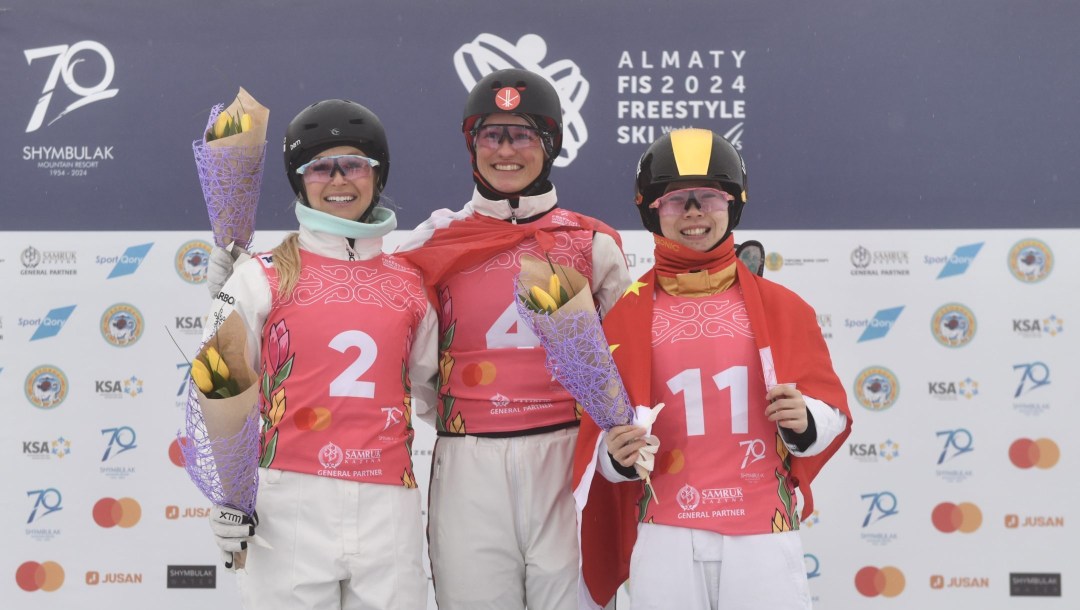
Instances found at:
x=287 y=263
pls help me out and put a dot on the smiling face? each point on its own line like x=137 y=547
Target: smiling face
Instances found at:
x=340 y=197
x=693 y=228
x=507 y=169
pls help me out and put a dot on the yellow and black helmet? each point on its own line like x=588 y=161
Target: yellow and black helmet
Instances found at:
x=689 y=154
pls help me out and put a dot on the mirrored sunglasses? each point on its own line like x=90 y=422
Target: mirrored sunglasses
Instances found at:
x=520 y=136
x=352 y=167
x=677 y=203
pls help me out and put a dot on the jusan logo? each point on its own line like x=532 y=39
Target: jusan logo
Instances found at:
x=488 y=53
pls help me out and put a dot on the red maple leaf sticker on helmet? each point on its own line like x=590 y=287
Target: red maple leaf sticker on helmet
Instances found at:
x=507 y=98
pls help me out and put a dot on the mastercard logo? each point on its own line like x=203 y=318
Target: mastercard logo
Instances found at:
x=34 y=576
x=872 y=581
x=1026 y=453
x=478 y=373
x=312 y=418
x=109 y=512
x=948 y=517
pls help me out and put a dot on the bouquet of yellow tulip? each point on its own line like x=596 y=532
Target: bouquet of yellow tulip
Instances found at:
x=211 y=375
x=221 y=452
x=230 y=156
x=556 y=303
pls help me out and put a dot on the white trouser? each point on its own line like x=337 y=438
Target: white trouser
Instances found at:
x=502 y=532
x=689 y=569
x=336 y=544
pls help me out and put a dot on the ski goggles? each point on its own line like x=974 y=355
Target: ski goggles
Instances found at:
x=352 y=167
x=520 y=136
x=677 y=203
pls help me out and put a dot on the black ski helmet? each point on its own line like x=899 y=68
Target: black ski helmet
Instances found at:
x=689 y=154
x=331 y=123
x=515 y=91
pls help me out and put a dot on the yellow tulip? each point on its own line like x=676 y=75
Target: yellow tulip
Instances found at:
x=221 y=124
x=277 y=409
x=555 y=289
x=245 y=122
x=216 y=363
x=543 y=299
x=201 y=375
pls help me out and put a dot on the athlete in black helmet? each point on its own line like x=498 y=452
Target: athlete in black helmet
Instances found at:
x=501 y=525
x=753 y=406
x=342 y=338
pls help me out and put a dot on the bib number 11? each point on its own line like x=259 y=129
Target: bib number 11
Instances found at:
x=688 y=383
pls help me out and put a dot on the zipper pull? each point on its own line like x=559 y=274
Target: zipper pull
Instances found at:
x=513 y=215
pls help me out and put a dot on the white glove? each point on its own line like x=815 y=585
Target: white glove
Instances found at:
x=232 y=531
x=221 y=265
x=645 y=417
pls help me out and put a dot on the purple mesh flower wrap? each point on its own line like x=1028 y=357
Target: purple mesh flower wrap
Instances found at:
x=578 y=356
x=223 y=467
x=231 y=179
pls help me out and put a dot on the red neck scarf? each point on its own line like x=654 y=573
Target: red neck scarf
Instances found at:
x=673 y=258
x=473 y=240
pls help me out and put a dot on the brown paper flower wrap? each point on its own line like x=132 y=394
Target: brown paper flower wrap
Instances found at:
x=230 y=156
x=221 y=453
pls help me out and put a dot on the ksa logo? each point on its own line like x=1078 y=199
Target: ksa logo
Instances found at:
x=44 y=449
x=1034 y=328
x=888 y=451
x=953 y=390
x=63 y=68
x=50 y=325
x=488 y=53
x=128 y=262
x=878 y=326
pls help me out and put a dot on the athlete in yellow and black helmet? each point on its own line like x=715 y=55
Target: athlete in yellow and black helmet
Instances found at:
x=689 y=154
